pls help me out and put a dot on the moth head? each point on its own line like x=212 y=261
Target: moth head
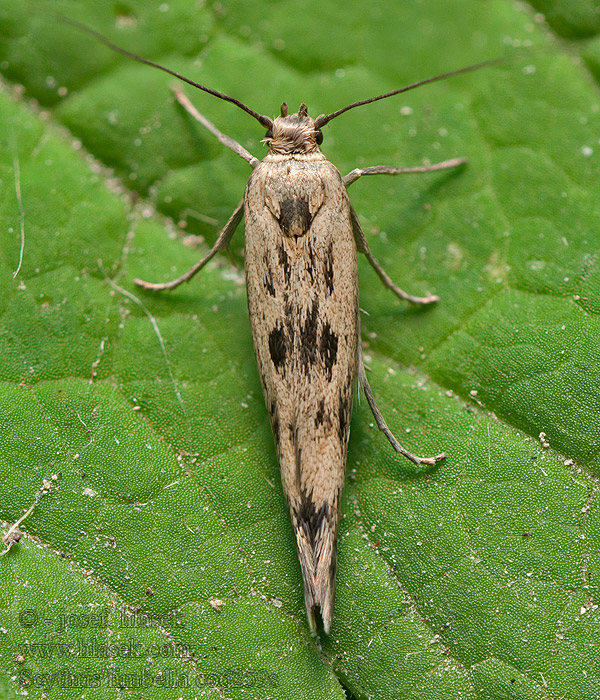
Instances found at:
x=293 y=133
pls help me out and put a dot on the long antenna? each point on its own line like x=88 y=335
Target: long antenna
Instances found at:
x=325 y=118
x=265 y=121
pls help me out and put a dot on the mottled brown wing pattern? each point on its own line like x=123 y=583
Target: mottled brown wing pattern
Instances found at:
x=301 y=276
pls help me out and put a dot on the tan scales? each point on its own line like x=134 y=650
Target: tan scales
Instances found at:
x=302 y=282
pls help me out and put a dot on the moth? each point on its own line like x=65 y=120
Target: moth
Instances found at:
x=302 y=237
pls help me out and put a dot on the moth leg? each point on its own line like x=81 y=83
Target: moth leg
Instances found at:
x=382 y=425
x=363 y=247
x=220 y=244
x=223 y=138
x=388 y=170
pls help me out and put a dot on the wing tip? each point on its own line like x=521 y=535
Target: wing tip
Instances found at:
x=318 y=561
x=320 y=618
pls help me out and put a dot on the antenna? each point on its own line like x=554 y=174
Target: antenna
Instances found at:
x=325 y=118
x=265 y=121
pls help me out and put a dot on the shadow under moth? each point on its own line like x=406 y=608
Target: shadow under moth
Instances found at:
x=302 y=237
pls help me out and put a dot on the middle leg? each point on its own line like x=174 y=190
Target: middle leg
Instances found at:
x=359 y=235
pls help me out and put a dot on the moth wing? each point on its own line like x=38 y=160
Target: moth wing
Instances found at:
x=302 y=282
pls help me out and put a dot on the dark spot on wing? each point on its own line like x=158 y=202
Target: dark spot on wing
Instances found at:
x=345 y=412
x=268 y=278
x=320 y=415
x=277 y=347
x=269 y=286
x=294 y=216
x=274 y=420
x=311 y=518
x=284 y=261
x=311 y=262
x=328 y=347
x=328 y=269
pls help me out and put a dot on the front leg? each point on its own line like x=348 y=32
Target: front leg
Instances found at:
x=223 y=138
x=220 y=244
x=388 y=170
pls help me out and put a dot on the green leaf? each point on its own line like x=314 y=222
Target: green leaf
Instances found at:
x=157 y=559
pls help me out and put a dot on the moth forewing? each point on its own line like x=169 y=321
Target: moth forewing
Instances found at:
x=302 y=239
x=302 y=283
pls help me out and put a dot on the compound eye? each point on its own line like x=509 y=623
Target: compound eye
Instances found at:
x=269 y=134
x=319 y=137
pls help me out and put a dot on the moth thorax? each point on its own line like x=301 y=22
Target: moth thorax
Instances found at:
x=294 y=133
